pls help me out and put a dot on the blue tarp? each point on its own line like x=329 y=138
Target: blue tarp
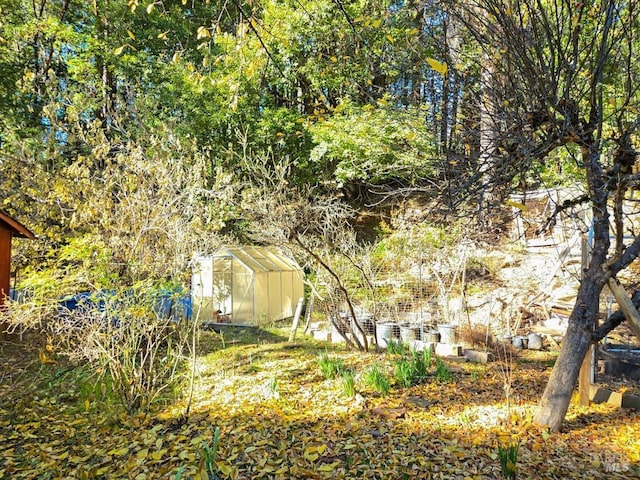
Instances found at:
x=170 y=305
x=167 y=304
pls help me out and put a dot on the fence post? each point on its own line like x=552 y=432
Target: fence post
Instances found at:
x=296 y=319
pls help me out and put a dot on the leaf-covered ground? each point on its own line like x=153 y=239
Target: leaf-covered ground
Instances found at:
x=280 y=418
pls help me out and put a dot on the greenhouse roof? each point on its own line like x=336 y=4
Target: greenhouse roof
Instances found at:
x=259 y=259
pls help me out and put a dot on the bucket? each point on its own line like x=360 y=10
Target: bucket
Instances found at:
x=385 y=332
x=336 y=335
x=409 y=333
x=447 y=334
x=535 y=341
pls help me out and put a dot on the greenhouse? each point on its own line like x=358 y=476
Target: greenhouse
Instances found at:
x=246 y=286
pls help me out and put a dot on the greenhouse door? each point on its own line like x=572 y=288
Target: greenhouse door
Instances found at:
x=222 y=287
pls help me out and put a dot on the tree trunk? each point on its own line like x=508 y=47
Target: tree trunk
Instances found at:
x=488 y=138
x=580 y=332
x=575 y=345
x=557 y=395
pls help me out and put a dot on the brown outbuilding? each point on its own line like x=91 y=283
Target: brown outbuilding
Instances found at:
x=9 y=228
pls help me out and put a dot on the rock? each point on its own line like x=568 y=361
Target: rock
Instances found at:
x=617 y=399
x=478 y=357
x=535 y=341
x=446 y=350
x=322 y=335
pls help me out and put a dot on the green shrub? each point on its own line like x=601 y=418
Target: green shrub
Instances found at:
x=208 y=456
x=412 y=369
x=396 y=347
x=330 y=366
x=508 y=455
x=403 y=372
x=420 y=364
x=348 y=384
x=443 y=374
x=377 y=379
x=207 y=467
x=271 y=388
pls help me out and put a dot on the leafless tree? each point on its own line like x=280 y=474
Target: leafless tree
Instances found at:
x=560 y=76
x=313 y=225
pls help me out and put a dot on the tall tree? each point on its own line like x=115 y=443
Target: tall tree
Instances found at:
x=84 y=112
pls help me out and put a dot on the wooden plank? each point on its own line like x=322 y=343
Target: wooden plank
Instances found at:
x=296 y=320
x=584 y=377
x=584 y=380
x=627 y=307
x=14 y=227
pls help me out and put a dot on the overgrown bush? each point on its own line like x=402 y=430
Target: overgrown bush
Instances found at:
x=131 y=348
x=476 y=335
x=141 y=351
